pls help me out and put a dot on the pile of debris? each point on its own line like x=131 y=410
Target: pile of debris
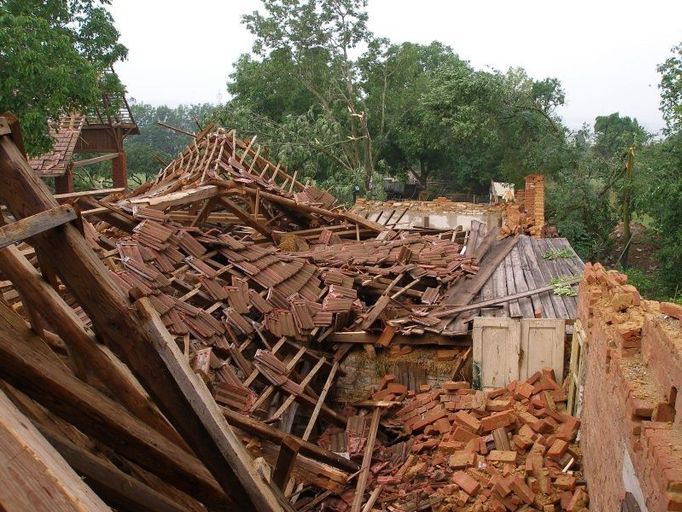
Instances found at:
x=181 y=340
x=511 y=448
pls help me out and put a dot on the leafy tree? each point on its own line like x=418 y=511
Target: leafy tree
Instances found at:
x=55 y=57
x=314 y=39
x=577 y=202
x=671 y=89
x=502 y=126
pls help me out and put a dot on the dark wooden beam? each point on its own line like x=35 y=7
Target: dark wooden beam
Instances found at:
x=286 y=459
x=100 y=417
x=113 y=485
x=265 y=431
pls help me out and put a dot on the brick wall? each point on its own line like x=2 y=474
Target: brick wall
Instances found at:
x=631 y=435
x=527 y=213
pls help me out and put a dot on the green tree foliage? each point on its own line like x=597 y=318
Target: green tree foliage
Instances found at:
x=395 y=109
x=55 y=57
x=578 y=205
x=311 y=41
x=671 y=89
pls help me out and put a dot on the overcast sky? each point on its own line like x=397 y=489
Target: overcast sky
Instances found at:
x=604 y=52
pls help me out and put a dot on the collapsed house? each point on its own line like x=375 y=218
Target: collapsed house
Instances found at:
x=194 y=344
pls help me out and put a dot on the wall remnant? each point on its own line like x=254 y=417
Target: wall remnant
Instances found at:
x=631 y=417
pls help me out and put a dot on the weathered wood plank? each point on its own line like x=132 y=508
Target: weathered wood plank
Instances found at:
x=358 y=499
x=111 y=484
x=37 y=223
x=100 y=417
x=265 y=431
x=91 y=363
x=34 y=476
x=286 y=459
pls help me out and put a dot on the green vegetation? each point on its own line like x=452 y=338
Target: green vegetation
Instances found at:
x=347 y=108
x=564 y=286
x=56 y=57
x=555 y=254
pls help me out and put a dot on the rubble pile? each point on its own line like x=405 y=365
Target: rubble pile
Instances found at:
x=511 y=448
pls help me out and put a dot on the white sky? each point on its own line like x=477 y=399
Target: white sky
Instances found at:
x=604 y=52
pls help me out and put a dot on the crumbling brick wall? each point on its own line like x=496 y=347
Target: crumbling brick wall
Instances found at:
x=527 y=212
x=631 y=432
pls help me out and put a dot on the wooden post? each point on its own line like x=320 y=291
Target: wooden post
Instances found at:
x=285 y=462
x=366 y=461
x=64 y=184
x=119 y=170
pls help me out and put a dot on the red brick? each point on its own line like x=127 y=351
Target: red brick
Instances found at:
x=462 y=434
x=466 y=483
x=396 y=388
x=524 y=390
x=497 y=420
x=467 y=420
x=454 y=386
x=502 y=456
x=518 y=485
x=557 y=450
x=565 y=482
x=461 y=459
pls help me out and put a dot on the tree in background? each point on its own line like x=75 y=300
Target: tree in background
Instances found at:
x=55 y=58
x=671 y=90
x=313 y=40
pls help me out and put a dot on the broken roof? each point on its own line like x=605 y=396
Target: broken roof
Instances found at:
x=235 y=325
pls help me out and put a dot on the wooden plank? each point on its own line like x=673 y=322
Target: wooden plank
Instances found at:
x=100 y=417
x=117 y=488
x=542 y=346
x=247 y=219
x=286 y=459
x=375 y=311
x=314 y=209
x=492 y=302
x=534 y=277
x=358 y=499
x=496 y=351
x=320 y=401
x=545 y=268
x=263 y=430
x=87 y=193
x=141 y=340
x=31 y=226
x=525 y=304
x=514 y=307
x=76 y=164
x=290 y=399
x=90 y=362
x=34 y=476
x=466 y=289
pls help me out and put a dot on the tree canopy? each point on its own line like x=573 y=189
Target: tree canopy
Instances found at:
x=55 y=57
